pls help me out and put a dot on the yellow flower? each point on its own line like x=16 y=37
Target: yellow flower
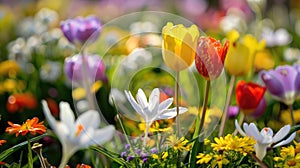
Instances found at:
x=157 y=127
x=155 y=156
x=203 y=158
x=285 y=116
x=179 y=45
x=178 y=144
x=263 y=60
x=219 y=160
x=240 y=56
x=8 y=67
x=233 y=143
x=79 y=93
x=165 y=155
x=289 y=156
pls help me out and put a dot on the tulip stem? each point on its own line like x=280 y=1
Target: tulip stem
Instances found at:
x=241 y=120
x=177 y=103
x=228 y=100
x=292 y=114
x=204 y=105
x=30 y=160
x=86 y=81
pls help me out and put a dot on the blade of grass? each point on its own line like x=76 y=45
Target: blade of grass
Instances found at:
x=8 y=152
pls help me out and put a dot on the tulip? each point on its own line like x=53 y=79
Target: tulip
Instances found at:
x=153 y=109
x=79 y=134
x=81 y=30
x=248 y=96
x=265 y=138
x=95 y=68
x=210 y=57
x=240 y=57
x=179 y=45
x=283 y=83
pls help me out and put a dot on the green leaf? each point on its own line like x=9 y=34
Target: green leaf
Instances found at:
x=112 y=156
x=13 y=149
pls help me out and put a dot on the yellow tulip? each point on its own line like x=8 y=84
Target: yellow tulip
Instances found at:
x=241 y=54
x=264 y=60
x=179 y=45
x=9 y=67
x=238 y=60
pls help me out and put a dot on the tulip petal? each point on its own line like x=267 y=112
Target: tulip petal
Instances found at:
x=281 y=133
x=51 y=120
x=284 y=142
x=239 y=129
x=66 y=115
x=89 y=119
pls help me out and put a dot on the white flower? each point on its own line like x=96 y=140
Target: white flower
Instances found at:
x=79 y=134
x=265 y=138
x=152 y=110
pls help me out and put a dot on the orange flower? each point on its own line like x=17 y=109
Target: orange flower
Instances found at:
x=83 y=166
x=2 y=142
x=33 y=126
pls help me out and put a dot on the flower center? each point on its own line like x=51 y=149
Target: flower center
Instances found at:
x=291 y=163
x=79 y=130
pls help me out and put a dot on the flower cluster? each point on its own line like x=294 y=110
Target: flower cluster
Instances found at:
x=225 y=150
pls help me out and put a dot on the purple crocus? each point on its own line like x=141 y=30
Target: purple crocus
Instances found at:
x=283 y=83
x=233 y=111
x=95 y=68
x=81 y=30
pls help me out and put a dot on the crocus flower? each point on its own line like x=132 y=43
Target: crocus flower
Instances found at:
x=210 y=57
x=95 y=67
x=283 y=83
x=233 y=111
x=80 y=30
x=265 y=138
x=152 y=110
x=79 y=134
x=248 y=96
x=32 y=126
x=179 y=45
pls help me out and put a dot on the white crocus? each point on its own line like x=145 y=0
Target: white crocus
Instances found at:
x=77 y=134
x=265 y=138
x=152 y=110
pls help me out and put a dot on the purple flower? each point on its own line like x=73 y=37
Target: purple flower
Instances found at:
x=95 y=67
x=138 y=151
x=259 y=111
x=283 y=83
x=145 y=160
x=154 y=150
x=123 y=154
x=127 y=146
x=81 y=30
x=233 y=111
x=129 y=158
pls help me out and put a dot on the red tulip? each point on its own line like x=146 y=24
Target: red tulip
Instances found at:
x=210 y=57
x=248 y=96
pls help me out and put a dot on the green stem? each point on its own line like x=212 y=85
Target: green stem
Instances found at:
x=64 y=161
x=146 y=134
x=177 y=103
x=228 y=100
x=30 y=160
x=292 y=114
x=204 y=105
